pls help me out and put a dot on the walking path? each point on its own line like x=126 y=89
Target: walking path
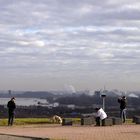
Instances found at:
x=124 y=132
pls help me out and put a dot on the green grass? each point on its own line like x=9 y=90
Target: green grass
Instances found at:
x=129 y=121
x=28 y=121
x=24 y=121
x=75 y=120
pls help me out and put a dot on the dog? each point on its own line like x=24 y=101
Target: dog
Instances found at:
x=56 y=119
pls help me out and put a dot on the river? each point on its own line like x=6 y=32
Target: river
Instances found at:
x=24 y=101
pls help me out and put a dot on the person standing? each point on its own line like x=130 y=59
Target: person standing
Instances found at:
x=122 y=101
x=11 y=111
x=100 y=115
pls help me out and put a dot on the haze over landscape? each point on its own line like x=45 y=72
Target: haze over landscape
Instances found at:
x=60 y=44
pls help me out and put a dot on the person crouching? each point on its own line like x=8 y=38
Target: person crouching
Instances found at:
x=100 y=115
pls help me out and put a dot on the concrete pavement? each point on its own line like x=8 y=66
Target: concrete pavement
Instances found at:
x=124 y=132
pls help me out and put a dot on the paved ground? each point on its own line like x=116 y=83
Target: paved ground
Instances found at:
x=122 y=132
x=9 y=137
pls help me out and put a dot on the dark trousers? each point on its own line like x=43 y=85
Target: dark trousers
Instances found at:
x=11 y=118
x=98 y=121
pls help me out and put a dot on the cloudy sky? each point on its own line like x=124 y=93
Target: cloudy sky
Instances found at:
x=54 y=44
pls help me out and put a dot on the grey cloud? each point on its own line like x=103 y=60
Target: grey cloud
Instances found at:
x=85 y=39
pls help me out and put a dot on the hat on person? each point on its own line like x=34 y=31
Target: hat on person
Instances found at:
x=123 y=97
x=97 y=108
x=13 y=98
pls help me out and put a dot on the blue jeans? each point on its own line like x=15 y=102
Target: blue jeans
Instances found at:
x=123 y=115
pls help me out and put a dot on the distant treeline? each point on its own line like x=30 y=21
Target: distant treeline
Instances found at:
x=45 y=112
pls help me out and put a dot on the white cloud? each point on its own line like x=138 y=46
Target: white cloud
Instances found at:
x=68 y=41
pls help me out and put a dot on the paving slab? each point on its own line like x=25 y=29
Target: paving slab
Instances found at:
x=123 y=132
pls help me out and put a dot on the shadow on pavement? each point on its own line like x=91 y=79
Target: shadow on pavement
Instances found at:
x=13 y=137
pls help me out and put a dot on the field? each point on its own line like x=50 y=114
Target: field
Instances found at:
x=28 y=121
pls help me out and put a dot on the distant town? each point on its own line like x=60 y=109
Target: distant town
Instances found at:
x=69 y=104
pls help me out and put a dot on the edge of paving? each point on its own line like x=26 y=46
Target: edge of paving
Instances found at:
x=33 y=138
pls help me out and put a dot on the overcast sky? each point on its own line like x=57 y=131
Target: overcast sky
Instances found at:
x=58 y=44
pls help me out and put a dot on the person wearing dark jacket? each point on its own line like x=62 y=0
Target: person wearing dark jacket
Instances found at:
x=122 y=102
x=11 y=111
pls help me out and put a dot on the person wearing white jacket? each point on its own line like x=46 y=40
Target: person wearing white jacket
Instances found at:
x=100 y=115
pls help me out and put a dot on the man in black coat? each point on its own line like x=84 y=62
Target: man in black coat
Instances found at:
x=11 y=111
x=122 y=102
